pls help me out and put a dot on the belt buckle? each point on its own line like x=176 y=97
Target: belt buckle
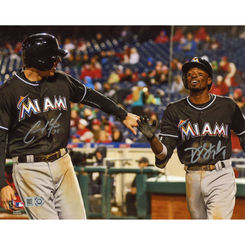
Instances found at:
x=48 y=156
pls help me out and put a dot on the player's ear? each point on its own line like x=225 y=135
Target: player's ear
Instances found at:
x=209 y=80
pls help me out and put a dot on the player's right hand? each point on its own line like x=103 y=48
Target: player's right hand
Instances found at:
x=7 y=194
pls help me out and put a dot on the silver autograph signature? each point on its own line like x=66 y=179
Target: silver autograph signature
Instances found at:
x=51 y=126
x=206 y=151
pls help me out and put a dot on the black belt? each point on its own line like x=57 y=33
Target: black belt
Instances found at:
x=208 y=167
x=43 y=158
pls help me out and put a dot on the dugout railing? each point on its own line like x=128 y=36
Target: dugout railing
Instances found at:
x=142 y=198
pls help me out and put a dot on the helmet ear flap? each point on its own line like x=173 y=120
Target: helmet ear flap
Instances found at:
x=184 y=79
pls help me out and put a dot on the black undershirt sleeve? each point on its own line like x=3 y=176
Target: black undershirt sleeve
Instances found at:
x=3 y=140
x=94 y=98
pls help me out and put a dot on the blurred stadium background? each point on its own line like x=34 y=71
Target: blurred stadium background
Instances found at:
x=139 y=67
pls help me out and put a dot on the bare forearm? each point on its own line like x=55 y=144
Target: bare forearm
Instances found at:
x=158 y=148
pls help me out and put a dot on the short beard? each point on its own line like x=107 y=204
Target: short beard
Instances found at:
x=197 y=89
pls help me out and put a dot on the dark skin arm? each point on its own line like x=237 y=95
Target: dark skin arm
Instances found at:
x=148 y=131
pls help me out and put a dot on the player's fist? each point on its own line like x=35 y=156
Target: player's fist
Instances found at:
x=146 y=129
x=7 y=194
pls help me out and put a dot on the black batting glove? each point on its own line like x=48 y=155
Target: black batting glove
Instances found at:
x=146 y=129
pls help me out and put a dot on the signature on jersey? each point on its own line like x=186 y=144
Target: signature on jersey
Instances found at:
x=206 y=152
x=51 y=126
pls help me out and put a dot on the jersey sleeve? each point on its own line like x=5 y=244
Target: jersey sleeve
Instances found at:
x=77 y=89
x=5 y=110
x=238 y=125
x=168 y=133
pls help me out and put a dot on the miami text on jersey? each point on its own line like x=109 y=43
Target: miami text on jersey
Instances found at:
x=188 y=129
x=27 y=106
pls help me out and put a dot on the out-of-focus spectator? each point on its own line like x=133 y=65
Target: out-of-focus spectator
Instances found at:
x=117 y=135
x=138 y=98
x=99 y=38
x=238 y=97
x=189 y=45
x=134 y=56
x=96 y=128
x=104 y=137
x=69 y=46
x=177 y=85
x=83 y=133
x=129 y=75
x=162 y=37
x=150 y=65
x=74 y=121
x=92 y=70
x=88 y=82
x=229 y=69
x=85 y=59
x=176 y=66
x=81 y=45
x=113 y=77
x=178 y=35
x=219 y=87
x=201 y=34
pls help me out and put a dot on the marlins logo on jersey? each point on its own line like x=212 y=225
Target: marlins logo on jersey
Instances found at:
x=188 y=129
x=27 y=106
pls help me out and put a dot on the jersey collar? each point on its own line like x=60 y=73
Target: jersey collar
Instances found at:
x=203 y=108
x=35 y=84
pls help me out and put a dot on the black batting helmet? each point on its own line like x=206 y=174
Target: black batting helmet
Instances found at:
x=199 y=63
x=41 y=51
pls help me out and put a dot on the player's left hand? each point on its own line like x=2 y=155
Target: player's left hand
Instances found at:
x=131 y=121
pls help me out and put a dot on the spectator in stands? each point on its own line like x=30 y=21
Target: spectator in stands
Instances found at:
x=238 y=97
x=117 y=135
x=134 y=56
x=160 y=74
x=229 y=69
x=83 y=134
x=178 y=35
x=162 y=37
x=85 y=59
x=150 y=65
x=131 y=195
x=219 y=87
x=201 y=34
x=74 y=120
x=129 y=75
x=176 y=66
x=96 y=128
x=88 y=82
x=69 y=46
x=104 y=137
x=189 y=45
x=81 y=45
x=99 y=38
x=113 y=77
x=138 y=98
x=177 y=85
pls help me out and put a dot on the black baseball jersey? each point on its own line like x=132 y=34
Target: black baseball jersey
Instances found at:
x=201 y=132
x=36 y=115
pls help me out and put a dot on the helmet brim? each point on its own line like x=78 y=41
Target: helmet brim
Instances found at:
x=187 y=66
x=62 y=52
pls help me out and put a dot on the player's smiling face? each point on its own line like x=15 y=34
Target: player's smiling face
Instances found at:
x=197 y=79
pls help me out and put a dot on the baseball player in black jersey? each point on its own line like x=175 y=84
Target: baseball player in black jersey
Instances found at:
x=34 y=131
x=199 y=126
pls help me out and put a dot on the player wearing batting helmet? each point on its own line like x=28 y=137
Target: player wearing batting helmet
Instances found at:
x=200 y=127
x=34 y=128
